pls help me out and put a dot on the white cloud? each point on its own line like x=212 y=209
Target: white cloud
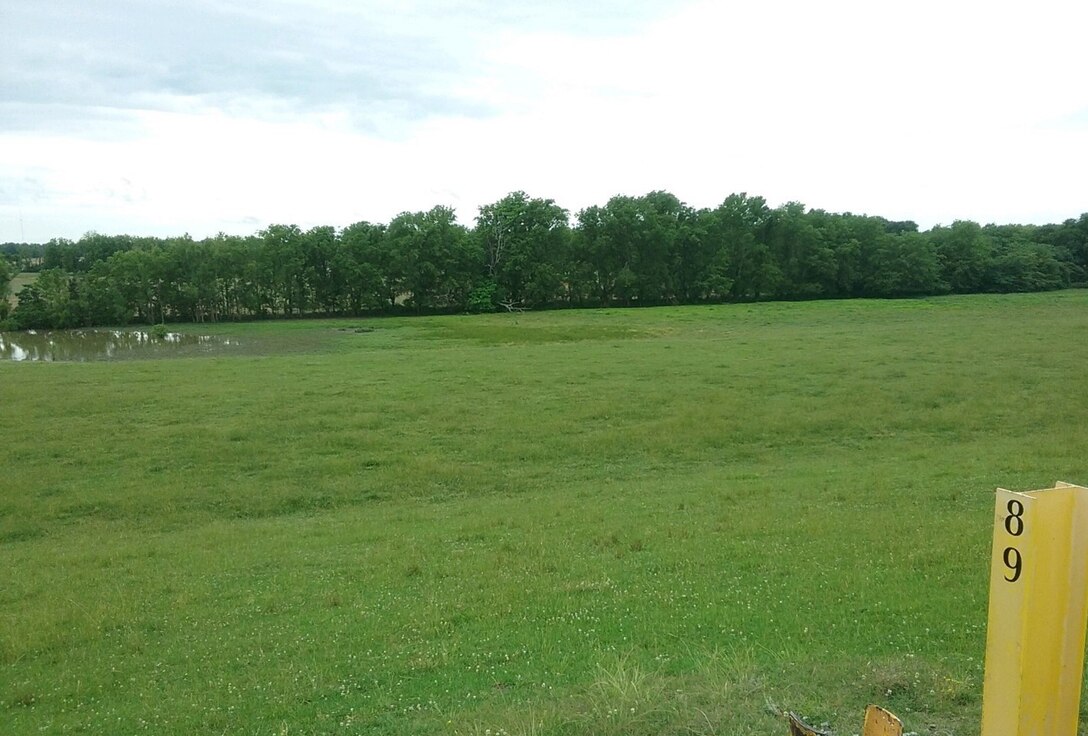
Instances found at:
x=927 y=111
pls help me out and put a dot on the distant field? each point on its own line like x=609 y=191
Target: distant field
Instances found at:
x=656 y=521
x=17 y=284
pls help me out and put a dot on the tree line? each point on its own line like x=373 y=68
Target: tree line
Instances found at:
x=527 y=253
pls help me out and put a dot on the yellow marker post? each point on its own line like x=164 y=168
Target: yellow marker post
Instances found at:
x=1038 y=611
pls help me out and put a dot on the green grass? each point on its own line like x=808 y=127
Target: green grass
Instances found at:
x=659 y=521
x=17 y=283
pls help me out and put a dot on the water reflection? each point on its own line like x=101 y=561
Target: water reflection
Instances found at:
x=85 y=345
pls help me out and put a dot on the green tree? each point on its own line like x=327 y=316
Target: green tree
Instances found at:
x=633 y=249
x=365 y=260
x=138 y=278
x=5 y=287
x=805 y=260
x=876 y=248
x=50 y=302
x=6 y=273
x=660 y=231
x=186 y=277
x=598 y=258
x=232 y=267
x=738 y=228
x=433 y=262
x=326 y=282
x=840 y=268
x=701 y=265
x=525 y=245
x=1070 y=243
x=1018 y=264
x=80 y=256
x=903 y=265
x=964 y=252
x=23 y=256
x=283 y=269
x=101 y=300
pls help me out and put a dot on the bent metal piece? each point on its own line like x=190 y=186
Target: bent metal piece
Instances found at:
x=878 y=722
x=800 y=728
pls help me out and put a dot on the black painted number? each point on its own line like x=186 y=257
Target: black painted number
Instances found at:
x=1014 y=525
x=1014 y=562
x=1014 y=522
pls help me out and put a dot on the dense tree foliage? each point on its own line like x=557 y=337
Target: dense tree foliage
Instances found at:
x=433 y=262
x=525 y=245
x=5 y=289
x=526 y=253
x=22 y=256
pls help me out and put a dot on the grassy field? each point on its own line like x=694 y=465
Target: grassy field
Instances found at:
x=659 y=521
x=17 y=283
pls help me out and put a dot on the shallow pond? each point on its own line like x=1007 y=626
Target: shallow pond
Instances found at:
x=84 y=345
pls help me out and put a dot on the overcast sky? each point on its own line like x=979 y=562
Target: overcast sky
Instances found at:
x=161 y=117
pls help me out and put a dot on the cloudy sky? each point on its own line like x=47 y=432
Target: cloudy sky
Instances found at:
x=161 y=117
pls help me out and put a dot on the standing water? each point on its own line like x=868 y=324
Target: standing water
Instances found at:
x=84 y=345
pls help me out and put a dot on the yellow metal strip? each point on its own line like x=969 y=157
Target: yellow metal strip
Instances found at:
x=1038 y=608
x=1012 y=544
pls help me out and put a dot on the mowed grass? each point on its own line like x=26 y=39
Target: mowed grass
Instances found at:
x=659 y=521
